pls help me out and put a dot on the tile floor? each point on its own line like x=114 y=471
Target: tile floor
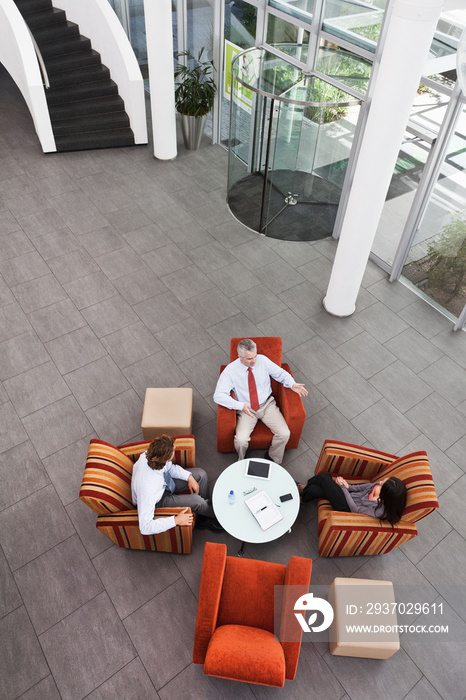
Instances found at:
x=120 y=272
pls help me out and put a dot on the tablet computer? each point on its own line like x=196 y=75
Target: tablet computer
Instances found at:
x=258 y=470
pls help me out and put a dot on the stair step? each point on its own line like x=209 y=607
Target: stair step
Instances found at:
x=70 y=61
x=82 y=91
x=45 y=17
x=114 y=138
x=97 y=105
x=27 y=6
x=59 y=47
x=84 y=74
x=45 y=34
x=91 y=123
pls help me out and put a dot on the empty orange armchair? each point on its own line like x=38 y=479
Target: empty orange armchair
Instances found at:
x=106 y=488
x=289 y=403
x=234 y=635
x=349 y=534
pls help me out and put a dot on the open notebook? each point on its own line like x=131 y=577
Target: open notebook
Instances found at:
x=264 y=509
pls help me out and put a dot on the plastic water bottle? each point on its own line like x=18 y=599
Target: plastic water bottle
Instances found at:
x=231 y=498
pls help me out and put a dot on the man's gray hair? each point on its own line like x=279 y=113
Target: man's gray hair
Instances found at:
x=246 y=345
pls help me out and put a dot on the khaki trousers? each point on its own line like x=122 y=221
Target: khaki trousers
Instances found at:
x=270 y=414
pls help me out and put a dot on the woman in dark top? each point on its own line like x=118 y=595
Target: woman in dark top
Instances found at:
x=384 y=499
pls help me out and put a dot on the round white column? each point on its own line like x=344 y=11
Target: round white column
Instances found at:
x=159 y=36
x=409 y=35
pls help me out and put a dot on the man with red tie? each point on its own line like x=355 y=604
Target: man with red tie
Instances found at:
x=249 y=378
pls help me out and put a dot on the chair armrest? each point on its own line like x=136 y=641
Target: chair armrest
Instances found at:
x=213 y=569
x=297 y=579
x=134 y=449
x=352 y=460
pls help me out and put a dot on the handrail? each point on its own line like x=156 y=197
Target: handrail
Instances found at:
x=40 y=59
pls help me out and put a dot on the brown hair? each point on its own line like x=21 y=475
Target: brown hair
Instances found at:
x=160 y=451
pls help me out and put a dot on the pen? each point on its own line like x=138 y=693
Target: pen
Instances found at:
x=261 y=509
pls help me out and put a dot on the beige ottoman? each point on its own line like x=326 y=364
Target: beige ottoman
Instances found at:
x=167 y=411
x=358 y=601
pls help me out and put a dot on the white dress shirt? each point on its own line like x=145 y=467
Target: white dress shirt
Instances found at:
x=147 y=488
x=235 y=377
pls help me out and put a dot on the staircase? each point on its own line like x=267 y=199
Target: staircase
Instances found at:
x=85 y=109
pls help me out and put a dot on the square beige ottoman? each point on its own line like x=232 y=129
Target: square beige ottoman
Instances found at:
x=358 y=601
x=167 y=411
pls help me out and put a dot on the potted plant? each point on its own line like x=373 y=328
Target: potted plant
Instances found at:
x=194 y=97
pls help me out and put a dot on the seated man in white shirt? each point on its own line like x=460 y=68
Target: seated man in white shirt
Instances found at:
x=157 y=482
x=249 y=378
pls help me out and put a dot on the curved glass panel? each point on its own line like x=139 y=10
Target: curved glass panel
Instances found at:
x=290 y=139
x=345 y=67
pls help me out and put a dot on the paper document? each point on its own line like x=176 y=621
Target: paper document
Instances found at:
x=264 y=509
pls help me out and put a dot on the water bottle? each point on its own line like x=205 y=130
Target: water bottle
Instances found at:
x=231 y=498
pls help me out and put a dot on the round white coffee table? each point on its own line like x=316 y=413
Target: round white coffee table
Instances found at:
x=237 y=519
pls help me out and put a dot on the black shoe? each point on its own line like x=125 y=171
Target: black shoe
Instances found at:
x=267 y=456
x=204 y=523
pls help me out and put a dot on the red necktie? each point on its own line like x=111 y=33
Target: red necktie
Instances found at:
x=252 y=390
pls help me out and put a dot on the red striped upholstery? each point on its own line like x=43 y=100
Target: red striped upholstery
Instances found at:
x=350 y=534
x=106 y=488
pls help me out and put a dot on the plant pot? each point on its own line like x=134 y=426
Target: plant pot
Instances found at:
x=192 y=129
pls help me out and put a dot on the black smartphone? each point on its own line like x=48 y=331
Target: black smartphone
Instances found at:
x=286 y=497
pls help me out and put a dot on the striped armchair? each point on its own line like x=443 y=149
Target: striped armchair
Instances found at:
x=349 y=534
x=106 y=488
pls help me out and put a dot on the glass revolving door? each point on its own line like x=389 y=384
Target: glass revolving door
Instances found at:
x=289 y=147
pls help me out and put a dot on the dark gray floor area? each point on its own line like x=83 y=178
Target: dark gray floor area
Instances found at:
x=120 y=272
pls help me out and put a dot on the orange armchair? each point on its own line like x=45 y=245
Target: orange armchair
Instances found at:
x=234 y=635
x=289 y=403
x=106 y=488
x=349 y=534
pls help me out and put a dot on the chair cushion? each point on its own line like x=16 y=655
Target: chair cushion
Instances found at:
x=106 y=484
x=246 y=654
x=414 y=472
x=269 y=346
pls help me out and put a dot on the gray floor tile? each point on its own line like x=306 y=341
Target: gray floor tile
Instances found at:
x=132 y=578
x=363 y=680
x=415 y=351
x=431 y=531
x=110 y=199
x=13 y=321
x=118 y=419
x=56 y=426
x=77 y=642
x=202 y=411
x=380 y=322
x=36 y=388
x=202 y=687
x=90 y=290
x=109 y=316
x=234 y=327
x=185 y=339
x=38 y=293
x=187 y=283
x=75 y=349
x=335 y=331
x=6 y=296
x=365 y=354
x=86 y=221
x=168 y=217
x=139 y=286
x=84 y=520
x=32 y=526
x=451 y=505
x=20 y=643
x=96 y=382
x=147 y=238
x=439 y=420
x=349 y=392
x=167 y=259
x=393 y=294
x=164 y=656
x=211 y=307
x=10 y=599
x=234 y=279
x=102 y=241
x=131 y=344
x=8 y=222
x=444 y=471
x=255 y=254
x=424 y=318
x=41 y=223
x=120 y=262
x=329 y=424
x=73 y=266
x=14 y=244
x=189 y=236
x=318 y=272
x=74 y=583
x=259 y=303
x=20 y=354
x=22 y=473
x=161 y=311
x=56 y=184
x=203 y=369
x=456 y=452
x=402 y=387
x=132 y=681
x=158 y=370
x=12 y=432
x=279 y=276
x=423 y=691
x=27 y=204
x=305 y=300
x=212 y=256
x=44 y=690
x=23 y=268
x=71 y=203
x=65 y=469
x=56 y=320
x=289 y=327
x=448 y=379
x=231 y=233
x=298 y=254
x=316 y=359
x=385 y=427
x=56 y=243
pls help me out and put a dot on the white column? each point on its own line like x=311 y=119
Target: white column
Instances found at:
x=409 y=35
x=159 y=36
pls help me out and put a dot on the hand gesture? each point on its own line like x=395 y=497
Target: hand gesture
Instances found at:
x=247 y=410
x=341 y=482
x=184 y=518
x=299 y=389
x=193 y=486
